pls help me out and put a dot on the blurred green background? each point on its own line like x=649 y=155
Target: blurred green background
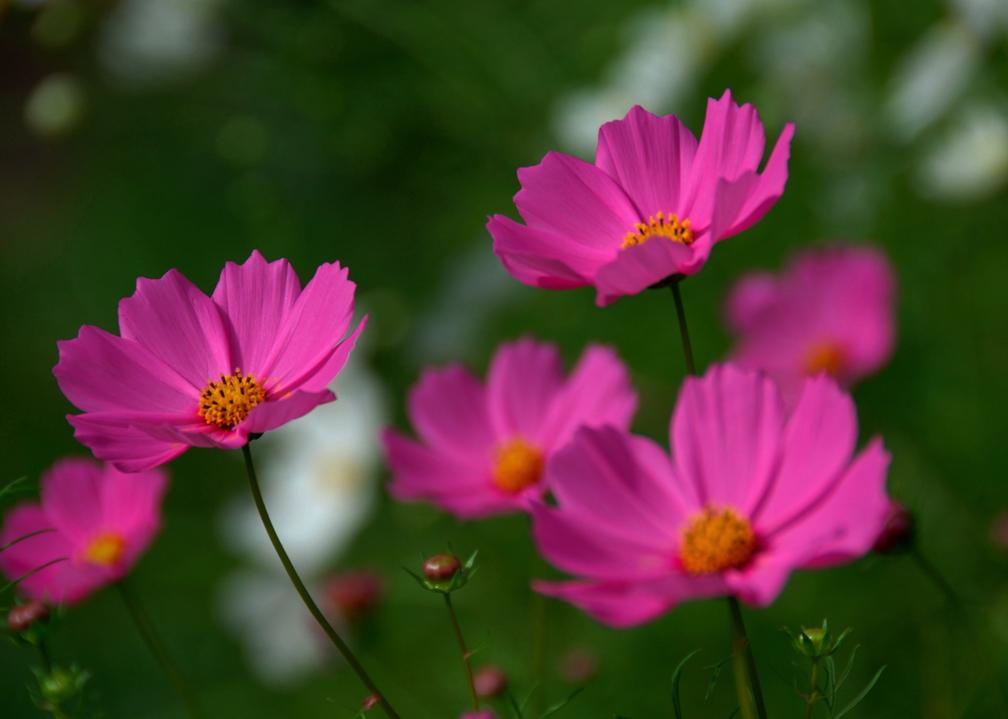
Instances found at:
x=139 y=136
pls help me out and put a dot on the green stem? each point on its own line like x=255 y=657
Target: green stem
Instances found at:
x=303 y=591
x=683 y=329
x=744 y=661
x=474 y=700
x=812 y=696
x=44 y=653
x=157 y=648
x=539 y=636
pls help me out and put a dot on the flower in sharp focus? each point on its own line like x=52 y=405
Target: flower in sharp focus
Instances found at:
x=752 y=492
x=192 y=370
x=831 y=310
x=651 y=206
x=482 y=448
x=99 y=522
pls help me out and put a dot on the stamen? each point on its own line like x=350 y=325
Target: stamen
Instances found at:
x=517 y=465
x=825 y=357
x=105 y=550
x=715 y=540
x=228 y=402
x=659 y=226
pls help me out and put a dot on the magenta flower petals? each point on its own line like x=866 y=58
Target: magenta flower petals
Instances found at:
x=830 y=310
x=753 y=492
x=726 y=426
x=449 y=410
x=651 y=207
x=112 y=374
x=482 y=451
x=99 y=522
x=191 y=370
x=650 y=157
x=178 y=324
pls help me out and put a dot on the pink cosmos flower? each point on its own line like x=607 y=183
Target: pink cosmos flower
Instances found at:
x=831 y=310
x=482 y=449
x=594 y=224
x=752 y=492
x=101 y=521
x=197 y=371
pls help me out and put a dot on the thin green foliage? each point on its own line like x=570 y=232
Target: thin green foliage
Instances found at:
x=861 y=695
x=676 y=705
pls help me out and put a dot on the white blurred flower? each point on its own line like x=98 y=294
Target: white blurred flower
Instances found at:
x=150 y=42
x=55 y=105
x=970 y=161
x=931 y=77
x=318 y=477
x=985 y=18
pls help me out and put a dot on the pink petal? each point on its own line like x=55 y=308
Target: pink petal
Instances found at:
x=843 y=524
x=325 y=374
x=315 y=324
x=571 y=198
x=131 y=503
x=448 y=408
x=100 y=372
x=544 y=259
x=598 y=392
x=818 y=444
x=419 y=473
x=597 y=479
x=180 y=325
x=276 y=413
x=748 y=198
x=650 y=157
x=726 y=434
x=749 y=298
x=114 y=437
x=256 y=297
x=71 y=497
x=639 y=266
x=523 y=381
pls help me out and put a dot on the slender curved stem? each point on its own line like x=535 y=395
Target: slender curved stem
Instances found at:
x=473 y=699
x=745 y=661
x=813 y=689
x=683 y=329
x=303 y=591
x=157 y=648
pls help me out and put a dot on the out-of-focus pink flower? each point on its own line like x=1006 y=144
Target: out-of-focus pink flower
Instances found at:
x=485 y=714
x=197 y=371
x=752 y=493
x=353 y=592
x=652 y=206
x=831 y=310
x=101 y=521
x=482 y=449
x=898 y=533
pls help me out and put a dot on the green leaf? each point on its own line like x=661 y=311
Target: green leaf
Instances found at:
x=863 y=694
x=676 y=707
x=850 y=665
x=22 y=537
x=10 y=486
x=28 y=574
x=714 y=676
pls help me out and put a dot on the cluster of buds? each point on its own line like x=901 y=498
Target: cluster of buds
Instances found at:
x=28 y=622
x=818 y=642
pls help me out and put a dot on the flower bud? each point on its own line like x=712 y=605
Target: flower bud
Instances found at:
x=441 y=567
x=61 y=685
x=898 y=533
x=579 y=665
x=369 y=703
x=816 y=642
x=490 y=681
x=22 y=617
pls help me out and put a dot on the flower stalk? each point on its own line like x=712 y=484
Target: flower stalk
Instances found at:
x=683 y=329
x=473 y=699
x=744 y=661
x=303 y=591
x=157 y=648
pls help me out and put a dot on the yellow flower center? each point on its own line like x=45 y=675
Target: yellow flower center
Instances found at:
x=715 y=540
x=825 y=357
x=105 y=550
x=228 y=402
x=517 y=465
x=659 y=226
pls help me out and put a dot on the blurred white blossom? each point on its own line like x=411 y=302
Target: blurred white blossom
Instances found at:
x=970 y=160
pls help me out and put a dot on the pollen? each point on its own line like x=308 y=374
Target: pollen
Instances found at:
x=825 y=357
x=105 y=550
x=517 y=465
x=715 y=540
x=660 y=226
x=228 y=402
